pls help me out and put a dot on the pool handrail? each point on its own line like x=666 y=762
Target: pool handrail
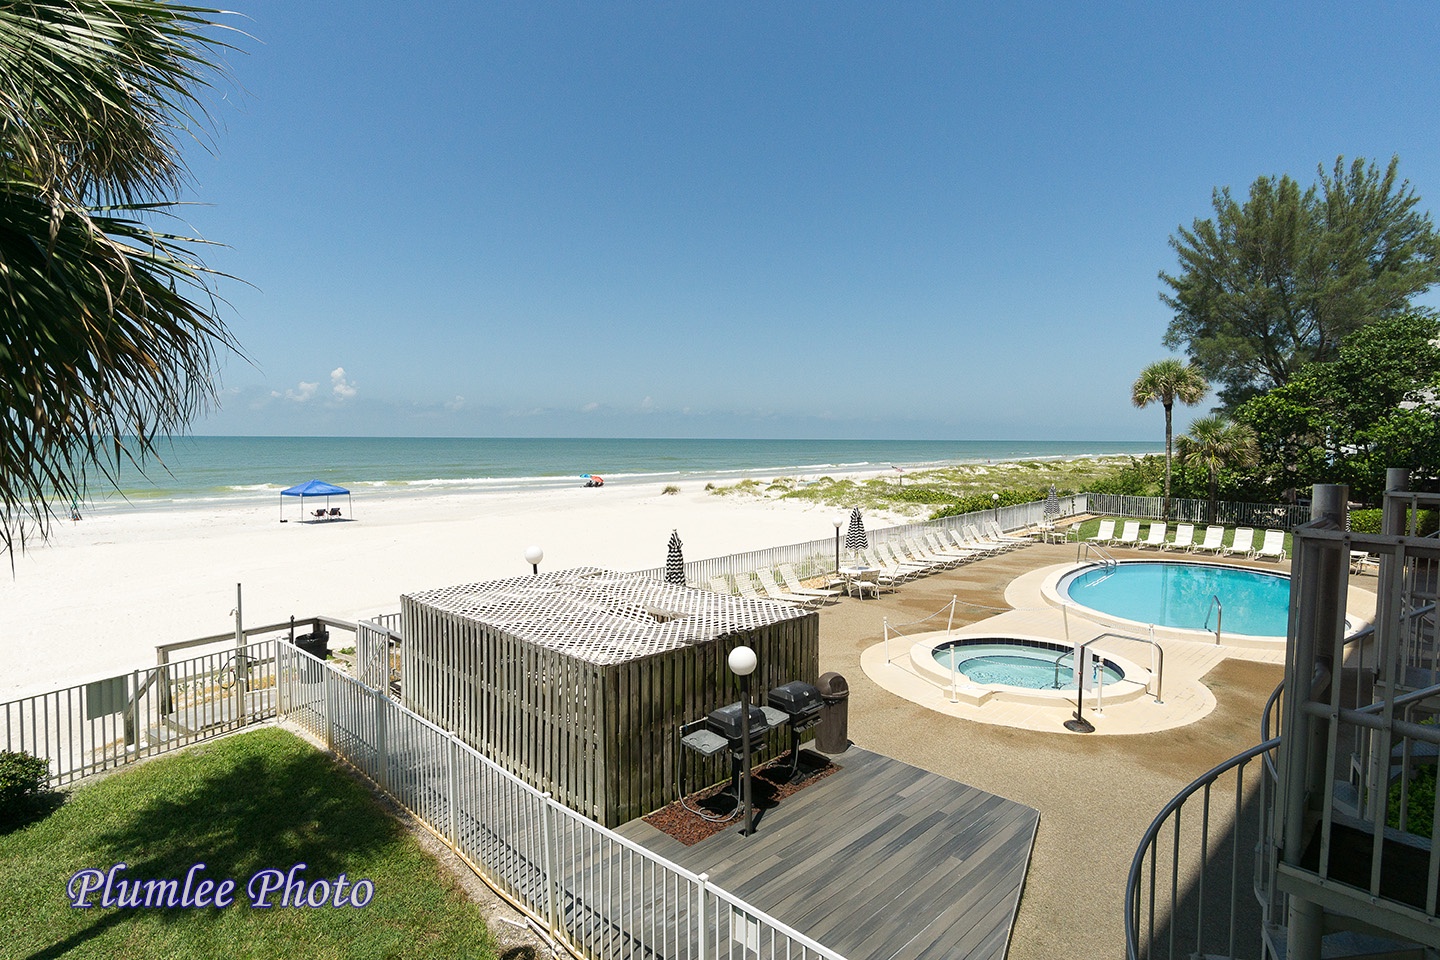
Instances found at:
x=1219 y=609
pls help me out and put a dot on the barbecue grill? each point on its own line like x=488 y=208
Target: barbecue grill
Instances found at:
x=800 y=704
x=726 y=722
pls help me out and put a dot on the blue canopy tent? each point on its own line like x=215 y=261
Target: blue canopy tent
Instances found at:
x=314 y=488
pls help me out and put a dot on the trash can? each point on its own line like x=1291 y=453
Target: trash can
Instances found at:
x=316 y=644
x=833 y=733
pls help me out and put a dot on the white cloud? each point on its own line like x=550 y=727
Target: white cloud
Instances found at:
x=339 y=386
x=590 y=407
x=455 y=403
x=304 y=391
x=647 y=405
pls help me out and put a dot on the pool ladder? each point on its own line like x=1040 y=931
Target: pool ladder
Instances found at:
x=1107 y=562
x=1217 y=608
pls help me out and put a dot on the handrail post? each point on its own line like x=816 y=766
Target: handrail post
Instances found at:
x=701 y=927
x=547 y=840
x=382 y=750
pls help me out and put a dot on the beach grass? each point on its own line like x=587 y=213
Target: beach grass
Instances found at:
x=241 y=805
x=925 y=492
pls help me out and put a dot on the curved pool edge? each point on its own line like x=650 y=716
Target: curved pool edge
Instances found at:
x=1050 y=591
x=922 y=658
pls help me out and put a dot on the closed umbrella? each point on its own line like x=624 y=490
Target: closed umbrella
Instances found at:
x=675 y=561
x=1052 y=503
x=855 y=538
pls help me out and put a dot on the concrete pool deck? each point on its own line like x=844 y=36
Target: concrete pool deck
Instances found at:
x=1129 y=707
x=1096 y=794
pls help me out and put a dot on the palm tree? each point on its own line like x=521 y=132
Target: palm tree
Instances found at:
x=1215 y=443
x=1167 y=381
x=109 y=327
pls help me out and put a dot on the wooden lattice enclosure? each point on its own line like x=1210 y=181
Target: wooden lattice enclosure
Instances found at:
x=578 y=680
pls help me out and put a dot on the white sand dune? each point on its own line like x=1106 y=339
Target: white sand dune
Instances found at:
x=100 y=596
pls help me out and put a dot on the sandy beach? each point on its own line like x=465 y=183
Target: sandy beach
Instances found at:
x=100 y=596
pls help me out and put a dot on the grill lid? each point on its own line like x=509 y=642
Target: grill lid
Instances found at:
x=796 y=698
x=726 y=721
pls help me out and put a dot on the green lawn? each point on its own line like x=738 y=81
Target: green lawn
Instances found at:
x=240 y=805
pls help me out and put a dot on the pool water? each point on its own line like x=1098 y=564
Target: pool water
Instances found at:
x=1179 y=594
x=1015 y=664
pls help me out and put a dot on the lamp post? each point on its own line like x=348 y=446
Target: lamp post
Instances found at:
x=995 y=501
x=839 y=522
x=742 y=663
x=533 y=556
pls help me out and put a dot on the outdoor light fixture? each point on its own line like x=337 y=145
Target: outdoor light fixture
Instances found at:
x=839 y=522
x=533 y=556
x=742 y=663
x=995 y=499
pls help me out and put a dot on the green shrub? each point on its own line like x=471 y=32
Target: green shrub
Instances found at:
x=22 y=778
x=671 y=489
x=1368 y=521
x=1420 y=814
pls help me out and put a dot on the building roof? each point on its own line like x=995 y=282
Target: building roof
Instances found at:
x=603 y=617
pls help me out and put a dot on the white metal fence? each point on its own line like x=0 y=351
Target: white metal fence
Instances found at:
x=596 y=892
x=1281 y=516
x=89 y=727
x=816 y=557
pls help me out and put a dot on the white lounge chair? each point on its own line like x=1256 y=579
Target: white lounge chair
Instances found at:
x=863 y=581
x=1000 y=536
x=1156 y=536
x=1243 y=543
x=963 y=554
x=891 y=570
x=793 y=584
x=920 y=551
x=773 y=590
x=746 y=587
x=965 y=541
x=1273 y=547
x=889 y=552
x=1214 y=541
x=1362 y=560
x=722 y=585
x=981 y=540
x=1130 y=535
x=1105 y=534
x=1184 y=538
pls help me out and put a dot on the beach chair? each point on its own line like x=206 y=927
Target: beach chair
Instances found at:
x=1362 y=560
x=745 y=586
x=334 y=512
x=1243 y=543
x=792 y=584
x=963 y=554
x=1273 y=546
x=1105 y=534
x=891 y=570
x=964 y=541
x=979 y=539
x=772 y=590
x=1184 y=538
x=1155 y=537
x=721 y=585
x=320 y=514
x=921 y=552
x=1214 y=541
x=889 y=556
x=1130 y=535
x=1000 y=536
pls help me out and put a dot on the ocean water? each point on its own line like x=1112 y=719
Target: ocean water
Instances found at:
x=230 y=468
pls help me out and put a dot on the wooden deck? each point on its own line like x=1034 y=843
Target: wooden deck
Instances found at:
x=879 y=860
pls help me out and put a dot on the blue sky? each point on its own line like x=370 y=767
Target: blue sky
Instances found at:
x=907 y=220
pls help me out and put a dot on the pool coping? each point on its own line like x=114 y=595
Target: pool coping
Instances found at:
x=922 y=650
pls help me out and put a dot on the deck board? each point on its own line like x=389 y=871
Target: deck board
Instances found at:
x=881 y=859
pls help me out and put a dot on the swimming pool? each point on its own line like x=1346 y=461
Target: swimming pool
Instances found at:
x=1013 y=662
x=1181 y=594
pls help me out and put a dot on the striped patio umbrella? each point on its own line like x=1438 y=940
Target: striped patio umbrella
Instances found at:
x=855 y=538
x=675 y=561
x=1052 y=503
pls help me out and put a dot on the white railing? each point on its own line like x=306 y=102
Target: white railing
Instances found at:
x=818 y=557
x=595 y=892
x=90 y=727
x=1281 y=516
